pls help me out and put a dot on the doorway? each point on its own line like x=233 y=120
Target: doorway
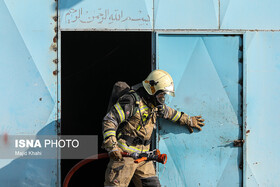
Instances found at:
x=91 y=63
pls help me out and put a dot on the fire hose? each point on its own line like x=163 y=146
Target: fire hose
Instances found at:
x=154 y=155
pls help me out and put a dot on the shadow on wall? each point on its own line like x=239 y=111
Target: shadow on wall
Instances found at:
x=31 y=172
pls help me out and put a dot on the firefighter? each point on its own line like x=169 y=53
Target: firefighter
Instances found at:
x=129 y=124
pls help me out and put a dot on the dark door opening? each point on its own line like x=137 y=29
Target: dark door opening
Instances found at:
x=91 y=63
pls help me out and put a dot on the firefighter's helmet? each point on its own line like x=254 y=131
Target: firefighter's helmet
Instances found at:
x=159 y=80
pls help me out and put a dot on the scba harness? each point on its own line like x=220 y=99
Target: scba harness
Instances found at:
x=120 y=90
x=133 y=141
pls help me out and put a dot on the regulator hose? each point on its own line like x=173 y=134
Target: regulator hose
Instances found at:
x=84 y=162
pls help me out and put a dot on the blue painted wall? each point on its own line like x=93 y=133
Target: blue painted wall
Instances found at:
x=262 y=152
x=186 y=14
x=106 y=14
x=27 y=53
x=249 y=14
x=28 y=85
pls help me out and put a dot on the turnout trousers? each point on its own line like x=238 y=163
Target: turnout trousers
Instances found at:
x=120 y=173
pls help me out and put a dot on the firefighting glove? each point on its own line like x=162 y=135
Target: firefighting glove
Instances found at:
x=191 y=122
x=116 y=154
x=195 y=122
